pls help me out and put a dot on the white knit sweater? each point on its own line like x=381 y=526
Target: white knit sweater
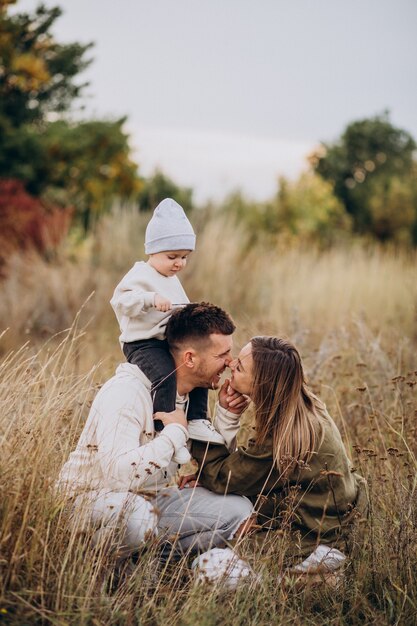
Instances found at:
x=133 y=302
x=118 y=449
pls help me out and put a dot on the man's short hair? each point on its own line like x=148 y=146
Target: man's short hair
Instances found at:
x=195 y=322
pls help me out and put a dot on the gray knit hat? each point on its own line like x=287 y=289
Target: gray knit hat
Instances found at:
x=169 y=229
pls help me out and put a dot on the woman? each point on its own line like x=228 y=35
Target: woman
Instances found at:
x=295 y=469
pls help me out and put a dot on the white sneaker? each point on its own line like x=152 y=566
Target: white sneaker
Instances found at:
x=323 y=558
x=181 y=456
x=223 y=566
x=203 y=430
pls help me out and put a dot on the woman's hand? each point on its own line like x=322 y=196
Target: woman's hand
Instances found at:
x=175 y=417
x=232 y=400
x=248 y=527
x=189 y=481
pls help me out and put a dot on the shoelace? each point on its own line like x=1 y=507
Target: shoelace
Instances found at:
x=210 y=426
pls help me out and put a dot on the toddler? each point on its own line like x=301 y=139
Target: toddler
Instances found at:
x=143 y=302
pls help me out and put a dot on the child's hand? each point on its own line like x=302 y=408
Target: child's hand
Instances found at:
x=162 y=304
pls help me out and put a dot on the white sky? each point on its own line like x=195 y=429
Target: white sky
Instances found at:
x=232 y=93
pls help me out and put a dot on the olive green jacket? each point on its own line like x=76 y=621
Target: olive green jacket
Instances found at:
x=319 y=501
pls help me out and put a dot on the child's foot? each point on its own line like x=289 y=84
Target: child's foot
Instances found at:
x=203 y=430
x=182 y=456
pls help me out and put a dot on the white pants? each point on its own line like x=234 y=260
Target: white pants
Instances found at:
x=186 y=520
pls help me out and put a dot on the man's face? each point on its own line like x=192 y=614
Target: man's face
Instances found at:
x=213 y=360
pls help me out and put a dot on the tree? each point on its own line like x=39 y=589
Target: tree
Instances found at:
x=362 y=166
x=308 y=209
x=91 y=163
x=305 y=209
x=27 y=222
x=87 y=163
x=157 y=187
x=37 y=74
x=393 y=206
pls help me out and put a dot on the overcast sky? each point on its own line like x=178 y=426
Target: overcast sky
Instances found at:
x=232 y=93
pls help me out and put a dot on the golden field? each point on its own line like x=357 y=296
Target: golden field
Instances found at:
x=352 y=312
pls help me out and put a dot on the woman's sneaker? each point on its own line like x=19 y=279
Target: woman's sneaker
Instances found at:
x=203 y=430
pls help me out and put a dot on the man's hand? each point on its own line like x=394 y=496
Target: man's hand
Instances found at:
x=175 y=417
x=232 y=400
x=162 y=304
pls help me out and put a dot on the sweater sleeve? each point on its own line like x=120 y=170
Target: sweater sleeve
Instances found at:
x=131 y=301
x=120 y=454
x=244 y=472
x=132 y=296
x=227 y=424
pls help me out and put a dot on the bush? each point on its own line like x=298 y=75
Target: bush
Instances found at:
x=27 y=222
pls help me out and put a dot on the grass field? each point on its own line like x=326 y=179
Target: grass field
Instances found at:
x=353 y=314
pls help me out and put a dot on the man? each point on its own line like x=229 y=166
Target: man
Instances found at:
x=119 y=455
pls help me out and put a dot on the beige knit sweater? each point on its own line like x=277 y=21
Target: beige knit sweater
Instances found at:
x=133 y=302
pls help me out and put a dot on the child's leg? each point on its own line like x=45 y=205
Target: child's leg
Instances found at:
x=197 y=409
x=154 y=359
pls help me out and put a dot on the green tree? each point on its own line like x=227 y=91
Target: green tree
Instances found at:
x=91 y=163
x=308 y=209
x=159 y=186
x=305 y=209
x=393 y=206
x=87 y=163
x=37 y=74
x=362 y=167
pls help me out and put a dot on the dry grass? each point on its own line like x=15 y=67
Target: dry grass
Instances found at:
x=353 y=314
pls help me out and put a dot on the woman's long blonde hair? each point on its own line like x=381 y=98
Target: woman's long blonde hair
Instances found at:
x=285 y=409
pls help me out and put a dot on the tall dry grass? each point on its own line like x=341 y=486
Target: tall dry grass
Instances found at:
x=351 y=311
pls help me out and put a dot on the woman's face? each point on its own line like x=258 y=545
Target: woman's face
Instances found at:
x=242 y=371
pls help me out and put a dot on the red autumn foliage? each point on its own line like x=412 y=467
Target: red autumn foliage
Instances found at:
x=28 y=223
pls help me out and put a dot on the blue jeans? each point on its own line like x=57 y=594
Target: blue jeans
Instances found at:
x=198 y=519
x=185 y=521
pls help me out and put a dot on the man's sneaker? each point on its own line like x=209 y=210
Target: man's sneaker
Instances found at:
x=203 y=430
x=223 y=566
x=182 y=456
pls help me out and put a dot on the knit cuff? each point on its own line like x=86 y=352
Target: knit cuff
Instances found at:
x=228 y=416
x=177 y=434
x=227 y=424
x=149 y=299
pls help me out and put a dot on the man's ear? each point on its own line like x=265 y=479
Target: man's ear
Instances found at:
x=190 y=358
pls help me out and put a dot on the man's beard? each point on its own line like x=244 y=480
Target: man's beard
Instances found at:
x=209 y=382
